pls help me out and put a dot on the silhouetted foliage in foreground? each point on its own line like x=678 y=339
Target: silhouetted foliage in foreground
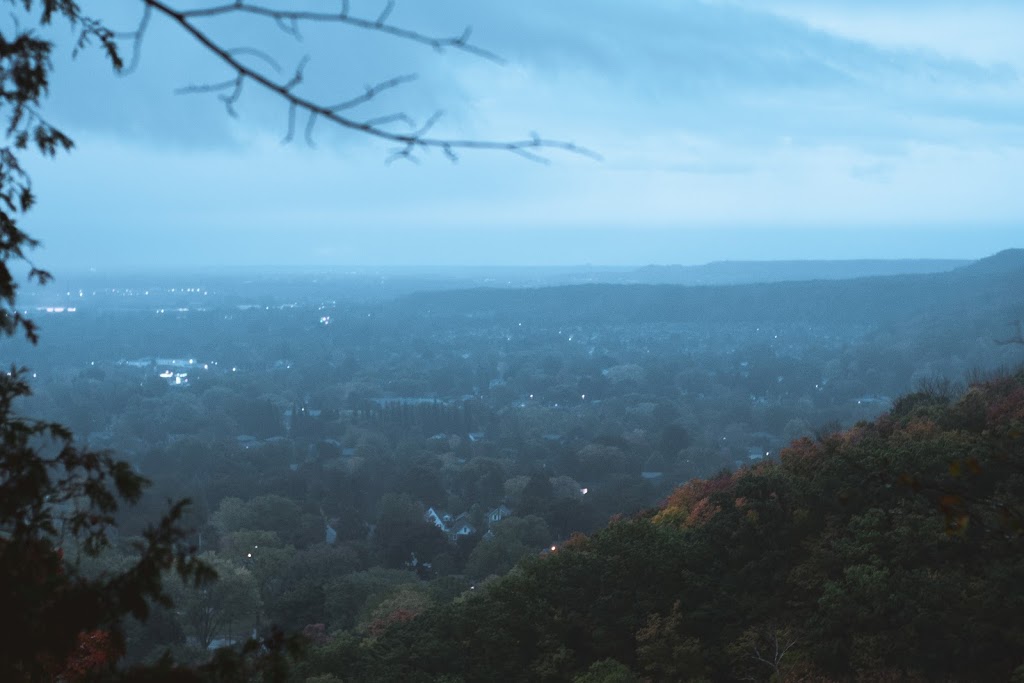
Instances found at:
x=57 y=509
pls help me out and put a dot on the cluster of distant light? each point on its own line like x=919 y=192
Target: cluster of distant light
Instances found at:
x=174 y=370
x=121 y=292
x=175 y=378
x=131 y=291
x=257 y=307
x=146 y=292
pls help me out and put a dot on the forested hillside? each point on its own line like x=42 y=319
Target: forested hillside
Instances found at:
x=891 y=551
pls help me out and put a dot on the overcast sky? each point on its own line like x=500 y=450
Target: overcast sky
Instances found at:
x=752 y=129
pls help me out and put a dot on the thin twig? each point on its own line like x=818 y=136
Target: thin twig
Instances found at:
x=373 y=91
x=136 y=38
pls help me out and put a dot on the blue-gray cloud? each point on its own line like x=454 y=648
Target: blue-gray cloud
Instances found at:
x=745 y=114
x=735 y=71
x=720 y=69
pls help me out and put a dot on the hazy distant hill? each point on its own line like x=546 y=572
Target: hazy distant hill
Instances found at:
x=203 y=288
x=1007 y=261
x=987 y=289
x=749 y=272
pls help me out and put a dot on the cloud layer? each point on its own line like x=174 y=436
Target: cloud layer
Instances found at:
x=753 y=116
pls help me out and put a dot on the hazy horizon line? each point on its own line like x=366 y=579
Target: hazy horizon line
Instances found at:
x=500 y=266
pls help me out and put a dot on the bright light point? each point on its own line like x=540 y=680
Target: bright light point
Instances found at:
x=553 y=548
x=248 y=555
x=584 y=490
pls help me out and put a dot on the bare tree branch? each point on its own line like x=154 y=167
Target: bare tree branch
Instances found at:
x=391 y=118
x=293 y=17
x=207 y=88
x=775 y=652
x=299 y=72
x=292 y=111
x=230 y=100
x=255 y=53
x=309 y=130
x=373 y=91
x=136 y=39
x=386 y=13
x=290 y=28
x=408 y=143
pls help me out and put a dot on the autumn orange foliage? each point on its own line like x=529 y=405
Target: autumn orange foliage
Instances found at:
x=96 y=652
x=690 y=505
